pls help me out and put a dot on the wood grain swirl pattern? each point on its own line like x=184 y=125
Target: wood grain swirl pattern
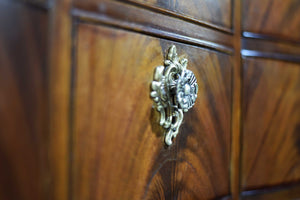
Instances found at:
x=118 y=148
x=273 y=17
x=271 y=123
x=23 y=102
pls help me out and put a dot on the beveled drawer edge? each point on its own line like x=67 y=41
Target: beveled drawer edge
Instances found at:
x=293 y=188
x=96 y=18
x=184 y=17
x=269 y=37
x=275 y=56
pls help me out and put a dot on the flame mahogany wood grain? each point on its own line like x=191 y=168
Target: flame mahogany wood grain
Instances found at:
x=271 y=123
x=23 y=102
x=86 y=130
x=118 y=149
x=215 y=14
x=273 y=17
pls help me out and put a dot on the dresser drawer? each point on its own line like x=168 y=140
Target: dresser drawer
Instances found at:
x=272 y=17
x=271 y=119
x=118 y=148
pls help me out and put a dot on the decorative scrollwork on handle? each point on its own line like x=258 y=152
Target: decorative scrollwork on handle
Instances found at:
x=174 y=90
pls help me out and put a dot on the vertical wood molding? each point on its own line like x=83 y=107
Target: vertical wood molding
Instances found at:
x=236 y=105
x=60 y=74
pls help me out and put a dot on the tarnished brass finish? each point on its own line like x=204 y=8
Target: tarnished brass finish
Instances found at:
x=174 y=91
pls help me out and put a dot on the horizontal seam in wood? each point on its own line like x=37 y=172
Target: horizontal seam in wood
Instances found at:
x=94 y=18
x=180 y=16
x=272 y=38
x=270 y=189
x=276 y=56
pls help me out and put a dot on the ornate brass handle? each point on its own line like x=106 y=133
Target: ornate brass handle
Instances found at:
x=174 y=91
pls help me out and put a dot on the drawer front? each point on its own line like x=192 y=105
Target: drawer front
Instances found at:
x=118 y=148
x=271 y=123
x=272 y=17
x=217 y=14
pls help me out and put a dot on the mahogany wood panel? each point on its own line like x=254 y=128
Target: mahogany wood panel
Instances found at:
x=273 y=17
x=118 y=150
x=271 y=123
x=216 y=14
x=152 y=23
x=23 y=102
x=277 y=193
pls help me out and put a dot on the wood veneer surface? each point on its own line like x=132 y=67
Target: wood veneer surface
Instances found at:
x=215 y=13
x=118 y=149
x=158 y=24
x=271 y=123
x=276 y=18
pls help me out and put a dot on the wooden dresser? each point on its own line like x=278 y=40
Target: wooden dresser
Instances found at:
x=77 y=121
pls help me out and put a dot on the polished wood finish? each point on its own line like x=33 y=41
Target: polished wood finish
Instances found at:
x=277 y=193
x=23 y=102
x=216 y=14
x=152 y=23
x=118 y=148
x=279 y=50
x=271 y=117
x=76 y=119
x=272 y=47
x=274 y=18
x=60 y=48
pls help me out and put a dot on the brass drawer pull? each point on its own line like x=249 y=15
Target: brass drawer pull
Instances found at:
x=174 y=91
